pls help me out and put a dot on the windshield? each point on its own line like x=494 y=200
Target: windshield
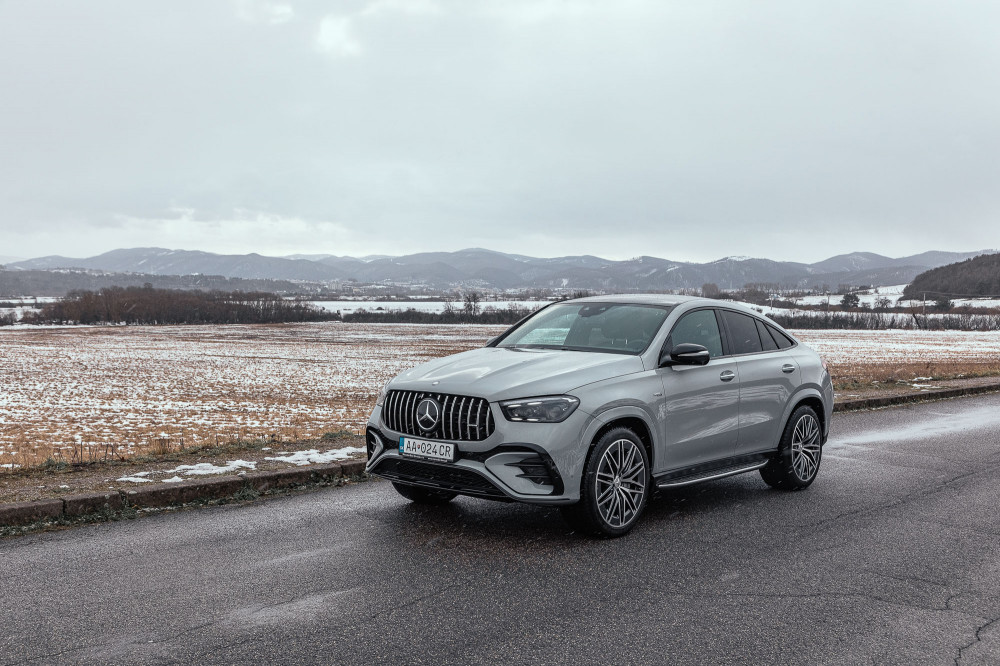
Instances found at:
x=621 y=328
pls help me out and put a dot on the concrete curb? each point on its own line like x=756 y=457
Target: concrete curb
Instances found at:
x=163 y=495
x=927 y=396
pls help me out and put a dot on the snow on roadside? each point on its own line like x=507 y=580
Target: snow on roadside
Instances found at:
x=202 y=469
x=313 y=456
x=299 y=458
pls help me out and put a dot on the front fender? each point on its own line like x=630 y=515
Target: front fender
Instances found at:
x=615 y=413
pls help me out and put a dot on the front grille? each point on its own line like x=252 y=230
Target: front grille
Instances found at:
x=463 y=418
x=457 y=479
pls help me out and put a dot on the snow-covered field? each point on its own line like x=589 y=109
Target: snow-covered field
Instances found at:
x=893 y=293
x=130 y=386
x=134 y=385
x=902 y=346
x=345 y=307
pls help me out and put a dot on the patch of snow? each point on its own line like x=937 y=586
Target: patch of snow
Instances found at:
x=135 y=478
x=202 y=469
x=313 y=456
x=173 y=479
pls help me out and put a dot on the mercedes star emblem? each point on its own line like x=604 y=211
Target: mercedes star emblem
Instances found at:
x=428 y=413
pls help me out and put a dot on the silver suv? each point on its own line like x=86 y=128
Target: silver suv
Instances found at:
x=589 y=404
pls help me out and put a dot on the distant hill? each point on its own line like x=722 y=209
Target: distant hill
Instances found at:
x=477 y=267
x=979 y=276
x=61 y=282
x=159 y=261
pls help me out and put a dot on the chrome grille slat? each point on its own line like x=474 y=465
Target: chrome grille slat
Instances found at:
x=468 y=419
x=393 y=421
x=445 y=426
x=462 y=417
x=407 y=412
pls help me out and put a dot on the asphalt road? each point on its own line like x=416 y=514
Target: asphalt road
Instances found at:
x=891 y=557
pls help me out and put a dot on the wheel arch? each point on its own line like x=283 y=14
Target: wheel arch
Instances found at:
x=633 y=422
x=811 y=398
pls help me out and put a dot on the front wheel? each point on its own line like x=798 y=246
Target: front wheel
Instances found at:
x=421 y=495
x=615 y=486
x=799 y=454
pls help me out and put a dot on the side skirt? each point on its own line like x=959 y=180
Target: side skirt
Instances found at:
x=718 y=469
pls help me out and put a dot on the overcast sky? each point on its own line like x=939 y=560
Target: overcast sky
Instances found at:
x=688 y=130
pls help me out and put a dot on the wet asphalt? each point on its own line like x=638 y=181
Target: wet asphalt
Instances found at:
x=891 y=557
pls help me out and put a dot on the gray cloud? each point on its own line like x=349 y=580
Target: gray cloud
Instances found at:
x=688 y=130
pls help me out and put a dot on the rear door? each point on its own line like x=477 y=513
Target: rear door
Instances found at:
x=768 y=377
x=699 y=416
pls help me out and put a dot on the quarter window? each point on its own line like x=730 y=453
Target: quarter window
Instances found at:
x=765 y=337
x=743 y=333
x=780 y=338
x=701 y=328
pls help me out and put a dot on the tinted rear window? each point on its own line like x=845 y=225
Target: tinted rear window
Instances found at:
x=782 y=340
x=743 y=333
x=765 y=337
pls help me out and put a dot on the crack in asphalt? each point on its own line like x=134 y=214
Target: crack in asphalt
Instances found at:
x=977 y=638
x=820 y=595
x=902 y=501
x=41 y=657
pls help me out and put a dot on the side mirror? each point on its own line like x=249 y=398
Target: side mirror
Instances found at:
x=685 y=353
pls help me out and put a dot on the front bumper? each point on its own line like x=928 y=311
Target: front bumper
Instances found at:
x=536 y=463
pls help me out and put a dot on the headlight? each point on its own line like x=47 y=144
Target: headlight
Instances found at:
x=552 y=409
x=381 y=395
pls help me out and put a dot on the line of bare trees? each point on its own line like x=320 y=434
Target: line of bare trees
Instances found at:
x=508 y=314
x=885 y=320
x=146 y=305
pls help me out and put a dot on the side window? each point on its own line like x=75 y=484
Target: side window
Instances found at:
x=701 y=328
x=780 y=338
x=743 y=331
x=765 y=337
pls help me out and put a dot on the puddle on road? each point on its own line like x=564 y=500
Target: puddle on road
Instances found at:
x=935 y=425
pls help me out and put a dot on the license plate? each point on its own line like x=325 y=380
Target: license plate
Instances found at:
x=419 y=448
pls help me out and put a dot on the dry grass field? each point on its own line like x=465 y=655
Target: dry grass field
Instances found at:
x=861 y=359
x=79 y=394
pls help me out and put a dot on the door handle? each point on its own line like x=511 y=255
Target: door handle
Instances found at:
x=788 y=368
x=727 y=375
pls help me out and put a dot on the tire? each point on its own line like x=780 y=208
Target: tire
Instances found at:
x=615 y=486
x=419 y=495
x=799 y=454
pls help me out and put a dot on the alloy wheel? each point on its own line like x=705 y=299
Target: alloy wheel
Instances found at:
x=621 y=483
x=805 y=447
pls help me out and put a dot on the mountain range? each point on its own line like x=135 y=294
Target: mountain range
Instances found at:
x=486 y=268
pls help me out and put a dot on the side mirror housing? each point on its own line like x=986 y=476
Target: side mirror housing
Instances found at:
x=685 y=353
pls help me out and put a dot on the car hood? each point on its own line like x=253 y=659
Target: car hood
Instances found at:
x=498 y=373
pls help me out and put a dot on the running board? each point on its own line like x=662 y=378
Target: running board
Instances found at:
x=708 y=476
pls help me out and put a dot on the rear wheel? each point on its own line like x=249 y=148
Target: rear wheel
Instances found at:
x=799 y=454
x=615 y=486
x=421 y=495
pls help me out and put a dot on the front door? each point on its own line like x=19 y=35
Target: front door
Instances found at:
x=699 y=416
